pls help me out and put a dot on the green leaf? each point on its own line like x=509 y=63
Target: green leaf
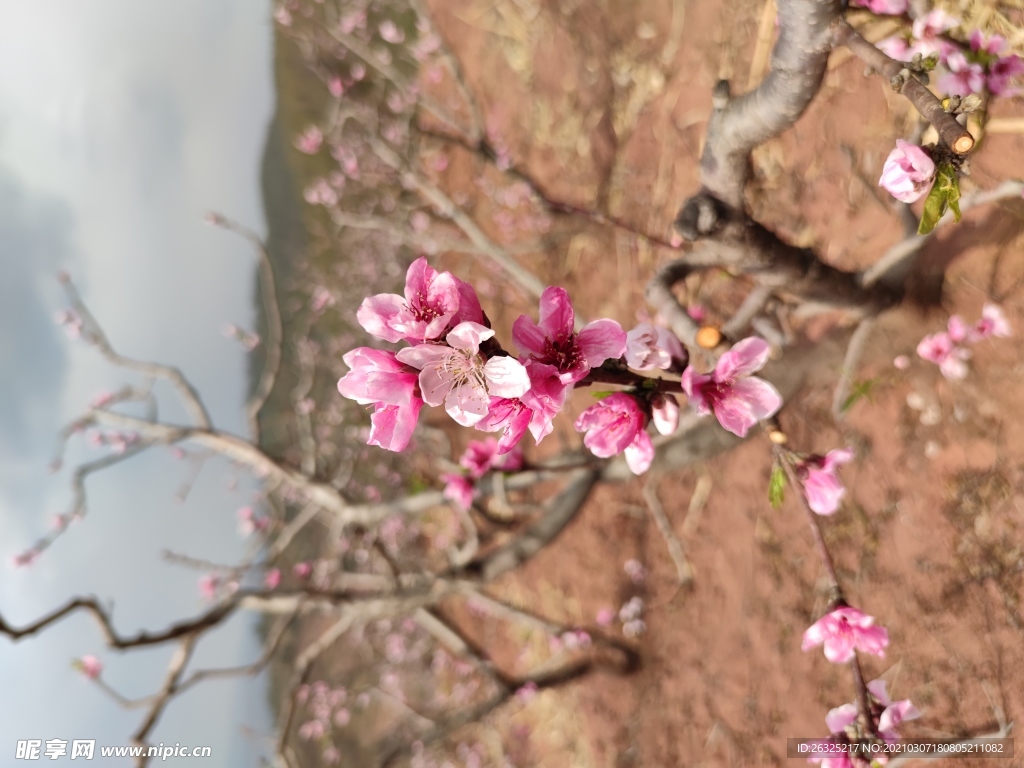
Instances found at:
x=945 y=193
x=859 y=391
x=601 y=394
x=777 y=487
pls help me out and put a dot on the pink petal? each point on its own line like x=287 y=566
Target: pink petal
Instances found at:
x=392 y=426
x=377 y=314
x=877 y=689
x=506 y=377
x=693 y=384
x=640 y=453
x=601 y=340
x=897 y=713
x=423 y=356
x=467 y=336
x=435 y=384
x=528 y=337
x=824 y=491
x=556 y=313
x=764 y=399
x=467 y=404
x=839 y=649
x=665 y=414
x=743 y=359
x=840 y=717
x=836 y=458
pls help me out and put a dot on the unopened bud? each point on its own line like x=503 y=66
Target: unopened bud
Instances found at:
x=778 y=437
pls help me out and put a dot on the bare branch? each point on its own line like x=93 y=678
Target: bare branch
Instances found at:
x=275 y=326
x=188 y=393
x=675 y=547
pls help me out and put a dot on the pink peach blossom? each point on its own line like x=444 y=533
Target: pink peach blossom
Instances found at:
x=993 y=323
x=208 y=586
x=309 y=141
x=1000 y=74
x=649 y=347
x=614 y=425
x=844 y=631
x=481 y=456
x=896 y=47
x=981 y=43
x=302 y=570
x=554 y=341
x=462 y=378
x=822 y=487
x=431 y=301
x=964 y=77
x=928 y=30
x=737 y=398
x=939 y=348
x=380 y=379
x=458 y=489
x=272 y=579
x=908 y=173
x=91 y=666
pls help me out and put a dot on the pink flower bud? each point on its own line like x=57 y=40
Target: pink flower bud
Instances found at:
x=908 y=172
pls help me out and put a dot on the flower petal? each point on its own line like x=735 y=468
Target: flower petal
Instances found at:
x=745 y=358
x=556 y=313
x=506 y=377
x=467 y=336
x=640 y=453
x=377 y=314
x=601 y=340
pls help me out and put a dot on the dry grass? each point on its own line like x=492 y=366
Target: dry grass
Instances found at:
x=1001 y=17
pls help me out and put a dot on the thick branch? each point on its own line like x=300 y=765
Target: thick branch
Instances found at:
x=952 y=134
x=737 y=126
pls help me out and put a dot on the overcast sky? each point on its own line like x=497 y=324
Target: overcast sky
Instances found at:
x=121 y=123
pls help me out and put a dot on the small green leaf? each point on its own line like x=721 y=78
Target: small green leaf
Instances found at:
x=601 y=394
x=859 y=391
x=945 y=193
x=777 y=487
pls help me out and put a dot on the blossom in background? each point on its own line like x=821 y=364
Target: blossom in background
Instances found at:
x=939 y=348
x=458 y=489
x=310 y=140
x=481 y=456
x=463 y=379
x=615 y=425
x=24 y=559
x=553 y=341
x=928 y=31
x=390 y=32
x=378 y=378
x=992 y=323
x=964 y=77
x=908 y=172
x=90 y=666
x=822 y=487
x=652 y=346
x=272 y=578
x=302 y=570
x=887 y=7
x=896 y=47
x=844 y=631
x=738 y=399
x=1002 y=72
x=208 y=586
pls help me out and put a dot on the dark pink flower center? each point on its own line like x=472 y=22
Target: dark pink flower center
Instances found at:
x=716 y=392
x=424 y=309
x=562 y=352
